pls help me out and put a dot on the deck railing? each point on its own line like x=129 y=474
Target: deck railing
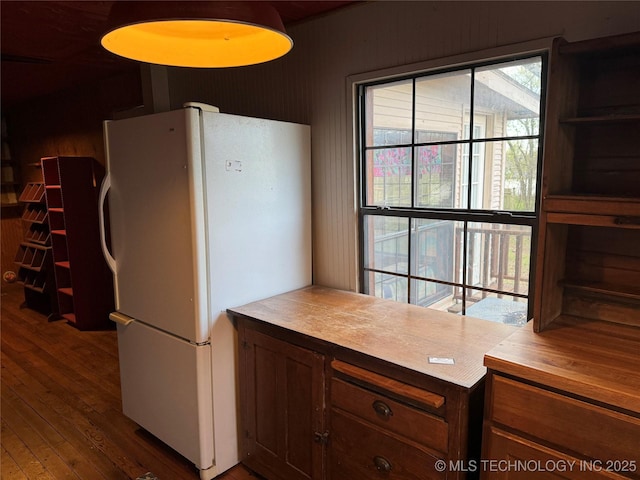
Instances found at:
x=498 y=260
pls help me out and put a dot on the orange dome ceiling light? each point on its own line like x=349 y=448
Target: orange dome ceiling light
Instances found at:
x=200 y=34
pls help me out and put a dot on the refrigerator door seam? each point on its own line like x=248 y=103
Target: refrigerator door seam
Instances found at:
x=186 y=340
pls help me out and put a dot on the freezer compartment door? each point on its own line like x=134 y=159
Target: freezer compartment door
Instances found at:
x=150 y=211
x=166 y=389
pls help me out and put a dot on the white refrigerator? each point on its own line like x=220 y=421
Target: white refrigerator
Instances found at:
x=207 y=211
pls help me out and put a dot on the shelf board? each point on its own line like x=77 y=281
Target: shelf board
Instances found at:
x=630 y=292
x=59 y=232
x=28 y=266
x=34 y=216
x=63 y=264
x=43 y=242
x=589 y=220
x=593 y=204
x=37 y=222
x=32 y=193
x=69 y=316
x=32 y=287
x=56 y=209
x=36 y=246
x=602 y=119
x=66 y=291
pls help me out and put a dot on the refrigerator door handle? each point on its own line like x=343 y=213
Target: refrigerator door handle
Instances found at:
x=120 y=318
x=104 y=188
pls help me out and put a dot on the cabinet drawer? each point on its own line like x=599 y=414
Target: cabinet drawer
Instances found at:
x=571 y=424
x=510 y=457
x=391 y=415
x=360 y=451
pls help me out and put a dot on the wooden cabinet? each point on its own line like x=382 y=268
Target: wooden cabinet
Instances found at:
x=33 y=257
x=567 y=388
x=350 y=374
x=282 y=407
x=569 y=393
x=84 y=281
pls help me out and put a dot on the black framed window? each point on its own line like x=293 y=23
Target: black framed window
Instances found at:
x=449 y=166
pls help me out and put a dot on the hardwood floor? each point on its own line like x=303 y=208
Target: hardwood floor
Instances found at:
x=60 y=411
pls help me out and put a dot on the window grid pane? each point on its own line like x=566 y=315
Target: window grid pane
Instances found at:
x=420 y=156
x=440 y=272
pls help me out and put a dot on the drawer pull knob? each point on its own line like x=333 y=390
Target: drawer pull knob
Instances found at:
x=382 y=408
x=627 y=221
x=382 y=464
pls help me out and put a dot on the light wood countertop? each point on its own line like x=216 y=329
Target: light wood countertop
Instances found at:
x=402 y=334
x=588 y=358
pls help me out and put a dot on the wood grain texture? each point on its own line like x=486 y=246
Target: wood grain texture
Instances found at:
x=61 y=406
x=592 y=204
x=505 y=446
x=402 y=334
x=591 y=359
x=590 y=430
x=12 y=234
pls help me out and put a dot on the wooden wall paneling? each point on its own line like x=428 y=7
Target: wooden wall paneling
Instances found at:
x=12 y=235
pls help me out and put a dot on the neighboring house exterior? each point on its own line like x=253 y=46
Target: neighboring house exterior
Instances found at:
x=442 y=114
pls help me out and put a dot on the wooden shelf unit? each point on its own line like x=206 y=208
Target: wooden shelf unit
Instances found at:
x=84 y=282
x=34 y=257
x=590 y=220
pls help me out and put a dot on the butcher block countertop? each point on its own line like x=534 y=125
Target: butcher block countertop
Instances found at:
x=588 y=358
x=401 y=334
